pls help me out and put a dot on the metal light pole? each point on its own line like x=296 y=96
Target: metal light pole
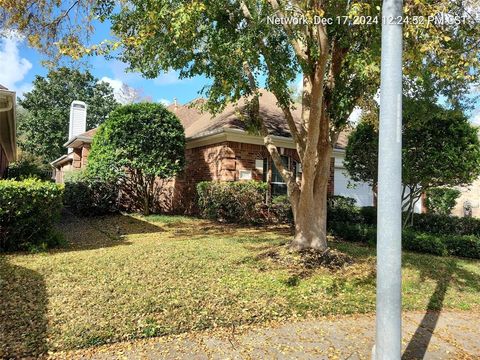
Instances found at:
x=389 y=236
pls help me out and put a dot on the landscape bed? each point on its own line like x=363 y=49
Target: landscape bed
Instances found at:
x=126 y=277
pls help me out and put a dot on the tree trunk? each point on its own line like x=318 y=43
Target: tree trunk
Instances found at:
x=310 y=208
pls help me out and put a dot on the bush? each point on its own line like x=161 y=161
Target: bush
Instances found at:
x=354 y=232
x=457 y=245
x=26 y=168
x=446 y=225
x=441 y=200
x=86 y=196
x=463 y=245
x=423 y=243
x=369 y=215
x=343 y=209
x=282 y=209
x=28 y=211
x=237 y=202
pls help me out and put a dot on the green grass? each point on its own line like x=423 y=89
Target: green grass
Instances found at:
x=125 y=277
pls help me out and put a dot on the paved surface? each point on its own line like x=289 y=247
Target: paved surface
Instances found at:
x=446 y=335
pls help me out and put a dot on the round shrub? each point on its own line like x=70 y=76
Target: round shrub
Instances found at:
x=28 y=212
x=236 y=202
x=135 y=147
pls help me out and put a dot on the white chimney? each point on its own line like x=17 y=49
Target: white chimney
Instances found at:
x=78 y=120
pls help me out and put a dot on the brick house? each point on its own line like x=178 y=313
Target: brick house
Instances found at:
x=218 y=148
x=8 y=147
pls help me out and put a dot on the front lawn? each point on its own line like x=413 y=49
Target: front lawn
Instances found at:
x=124 y=277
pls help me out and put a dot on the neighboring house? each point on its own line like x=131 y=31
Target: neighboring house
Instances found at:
x=77 y=158
x=8 y=135
x=219 y=148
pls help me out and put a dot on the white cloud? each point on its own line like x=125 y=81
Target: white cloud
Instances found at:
x=14 y=67
x=165 y=102
x=124 y=93
x=114 y=83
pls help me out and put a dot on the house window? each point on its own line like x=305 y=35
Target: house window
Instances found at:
x=245 y=174
x=279 y=187
x=259 y=165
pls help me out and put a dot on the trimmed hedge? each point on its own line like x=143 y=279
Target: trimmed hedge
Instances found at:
x=28 y=212
x=442 y=245
x=444 y=224
x=237 y=202
x=89 y=197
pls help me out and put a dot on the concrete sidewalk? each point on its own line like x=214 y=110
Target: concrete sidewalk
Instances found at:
x=456 y=335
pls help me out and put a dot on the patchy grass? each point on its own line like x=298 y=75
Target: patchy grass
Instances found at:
x=125 y=277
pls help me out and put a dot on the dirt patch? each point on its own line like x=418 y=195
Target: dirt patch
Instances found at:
x=307 y=259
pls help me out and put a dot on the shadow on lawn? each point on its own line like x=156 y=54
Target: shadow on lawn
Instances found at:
x=23 y=306
x=445 y=272
x=88 y=233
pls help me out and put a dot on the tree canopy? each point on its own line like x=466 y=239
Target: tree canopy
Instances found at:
x=439 y=147
x=44 y=127
x=137 y=146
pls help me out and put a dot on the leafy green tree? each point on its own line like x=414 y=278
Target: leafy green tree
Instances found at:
x=440 y=148
x=441 y=200
x=138 y=147
x=238 y=44
x=44 y=126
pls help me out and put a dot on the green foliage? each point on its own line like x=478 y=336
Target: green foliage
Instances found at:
x=440 y=148
x=282 y=209
x=441 y=200
x=28 y=211
x=356 y=232
x=237 y=202
x=341 y=208
x=138 y=145
x=86 y=196
x=429 y=243
x=27 y=168
x=443 y=224
x=361 y=160
x=44 y=128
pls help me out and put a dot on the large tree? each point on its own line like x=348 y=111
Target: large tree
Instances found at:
x=439 y=148
x=239 y=43
x=44 y=126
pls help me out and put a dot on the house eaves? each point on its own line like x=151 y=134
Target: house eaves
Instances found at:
x=61 y=160
x=77 y=141
x=241 y=136
x=8 y=129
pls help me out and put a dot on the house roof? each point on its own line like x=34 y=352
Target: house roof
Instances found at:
x=8 y=132
x=83 y=138
x=199 y=124
x=61 y=160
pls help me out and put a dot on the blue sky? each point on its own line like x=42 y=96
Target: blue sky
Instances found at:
x=20 y=64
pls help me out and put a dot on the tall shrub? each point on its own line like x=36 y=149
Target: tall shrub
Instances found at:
x=441 y=200
x=28 y=211
x=138 y=145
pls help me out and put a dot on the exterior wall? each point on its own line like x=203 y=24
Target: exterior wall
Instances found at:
x=223 y=162
x=471 y=194
x=3 y=162
x=79 y=161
